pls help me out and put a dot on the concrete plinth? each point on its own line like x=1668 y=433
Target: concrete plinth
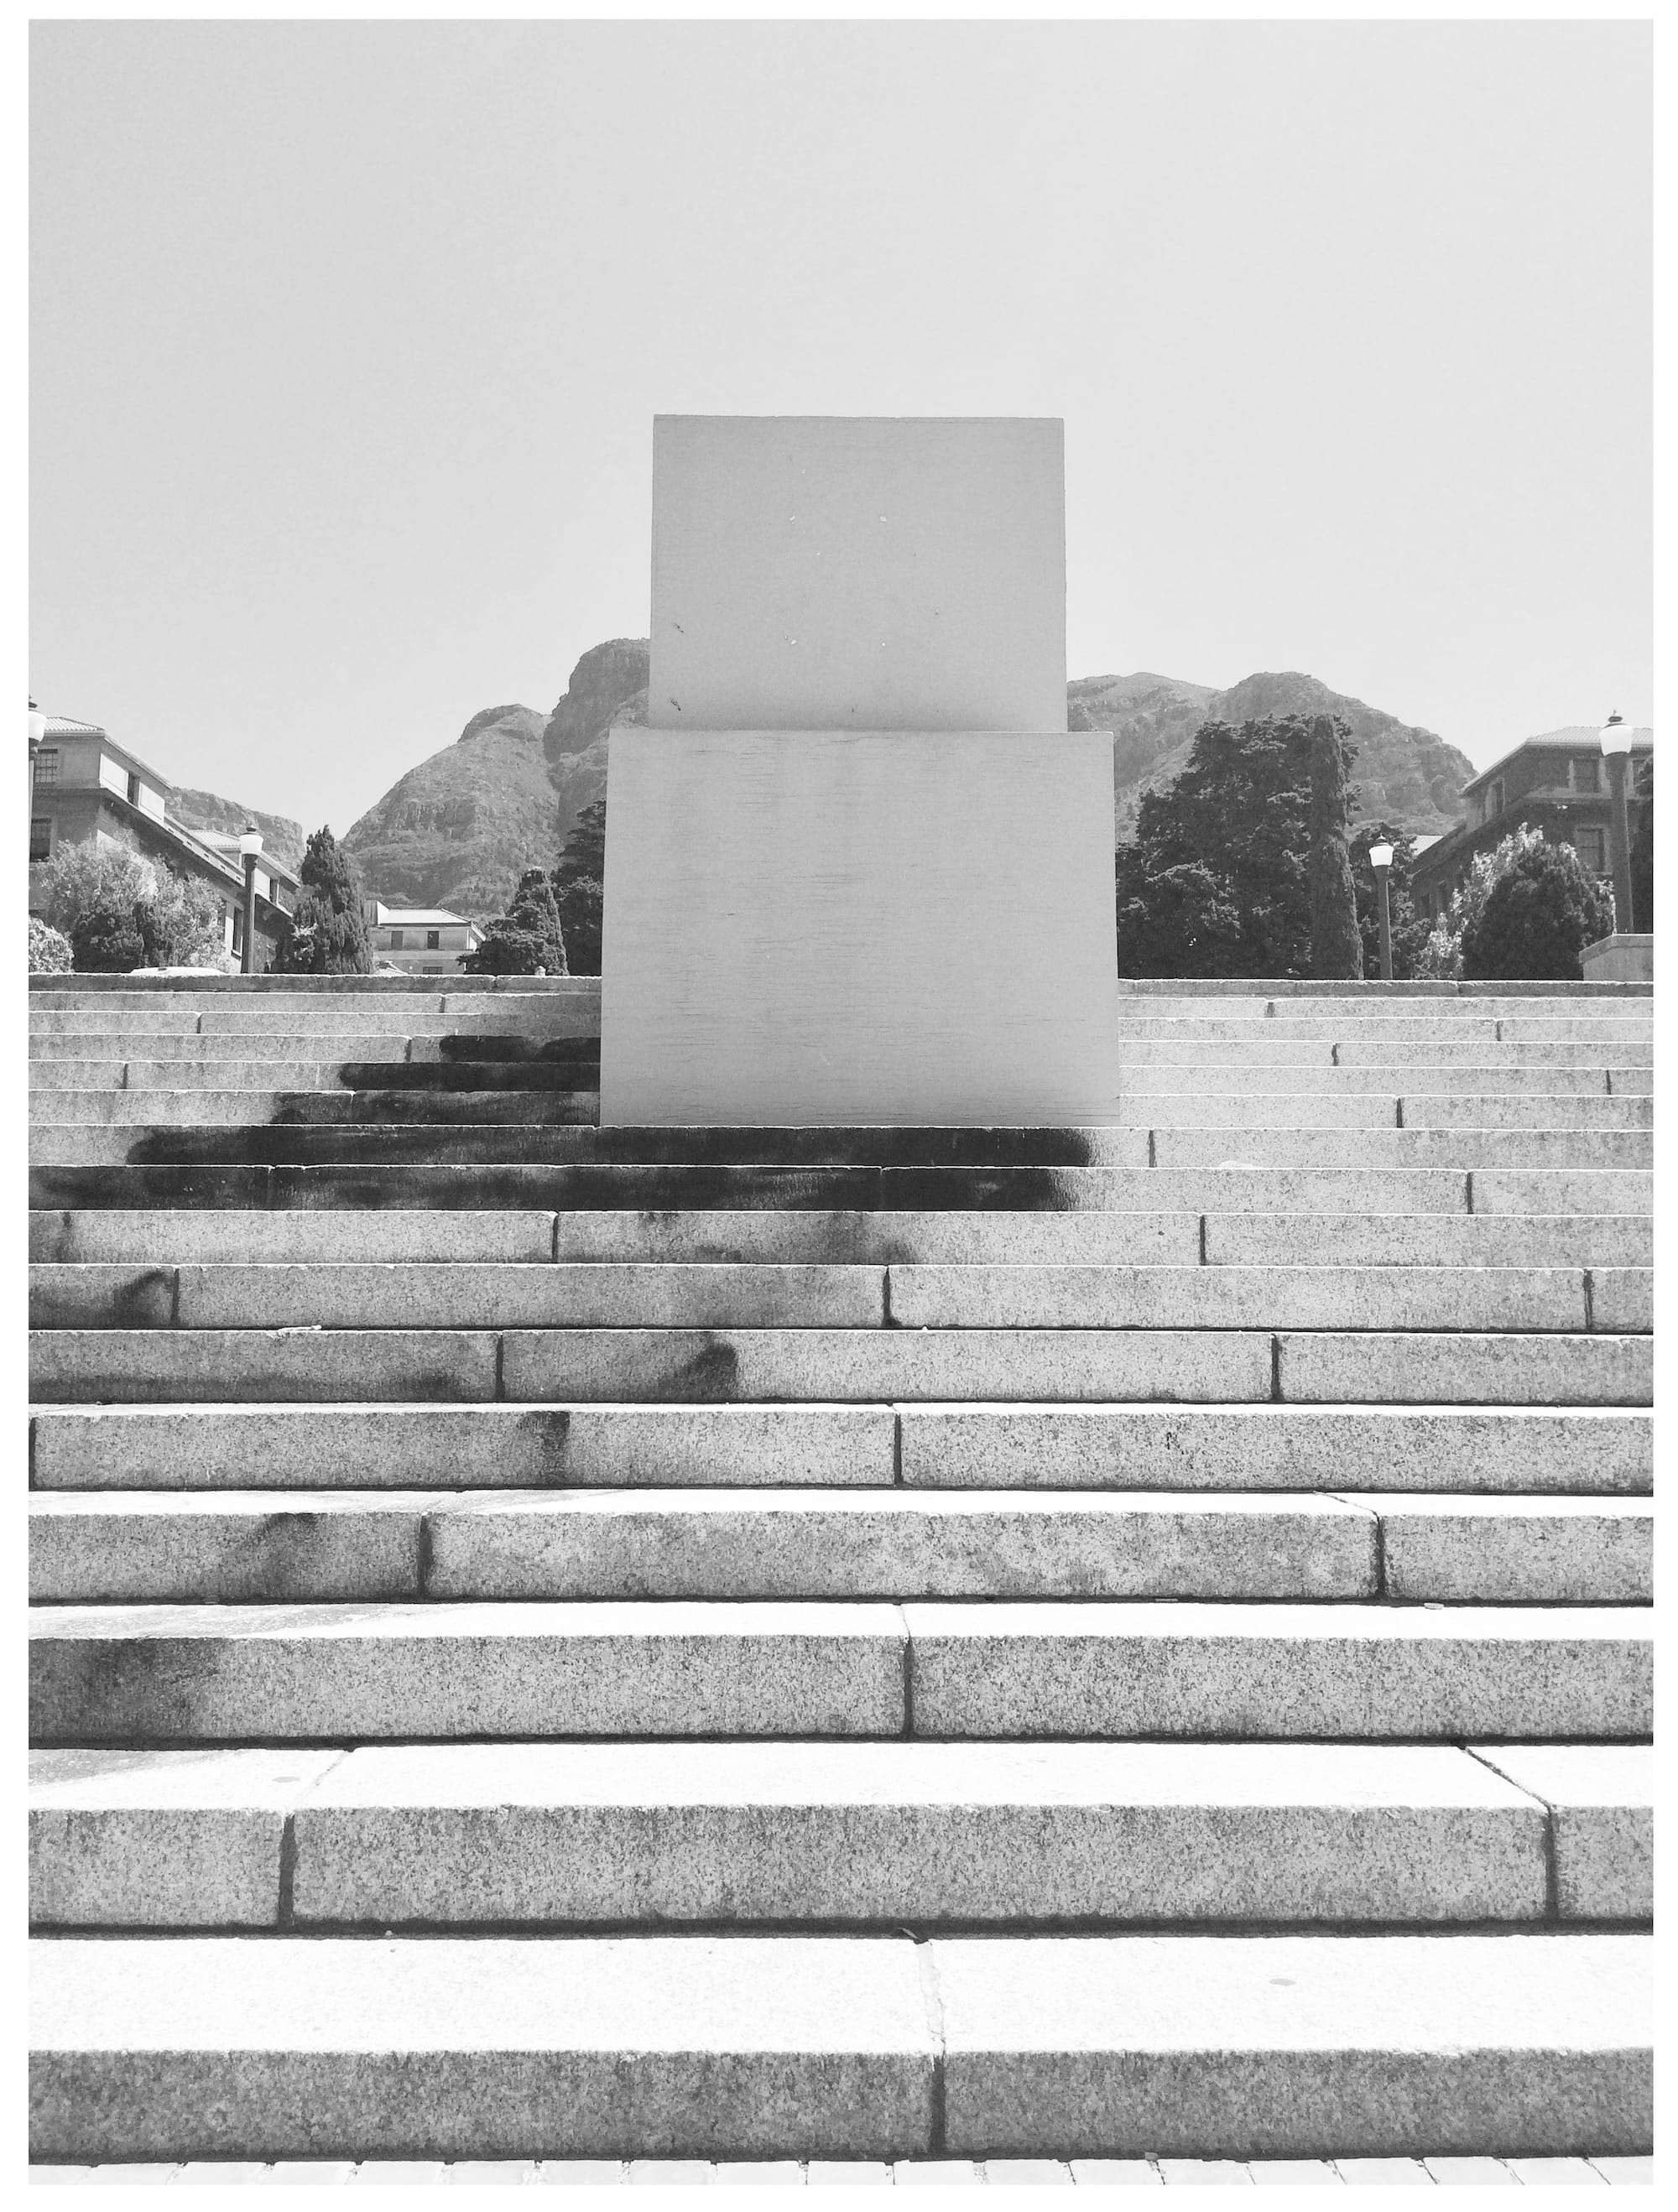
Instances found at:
x=1626 y=956
x=843 y=928
x=856 y=869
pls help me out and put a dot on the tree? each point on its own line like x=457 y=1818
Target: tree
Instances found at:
x=1409 y=930
x=1215 y=882
x=328 y=935
x=526 y=940
x=585 y=852
x=582 y=909
x=1643 y=847
x=1539 y=912
x=1337 y=950
x=579 y=881
x=49 y=950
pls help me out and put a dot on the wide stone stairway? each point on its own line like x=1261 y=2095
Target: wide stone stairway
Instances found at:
x=838 y=1645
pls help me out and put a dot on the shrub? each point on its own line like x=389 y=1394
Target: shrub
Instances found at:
x=1442 y=954
x=527 y=940
x=180 y=926
x=1537 y=915
x=327 y=934
x=49 y=950
x=94 y=893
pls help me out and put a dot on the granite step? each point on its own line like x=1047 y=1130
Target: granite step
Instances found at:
x=696 y=2046
x=172 y=1084
x=1381 y=1048
x=550 y=1295
x=163 y=1674
x=568 y=1092
x=711 y=1190
x=414 y=1142
x=126 y=1546
x=1236 y=1075
x=161 y=1237
x=929 y=1835
x=733 y=1366
x=1582 y=1452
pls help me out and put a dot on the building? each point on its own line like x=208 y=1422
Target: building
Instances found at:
x=420 y=940
x=84 y=786
x=1558 y=784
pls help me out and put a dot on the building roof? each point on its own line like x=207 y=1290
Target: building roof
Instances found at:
x=1578 y=739
x=61 y=726
x=415 y=917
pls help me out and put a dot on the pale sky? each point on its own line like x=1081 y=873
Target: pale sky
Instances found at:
x=347 y=341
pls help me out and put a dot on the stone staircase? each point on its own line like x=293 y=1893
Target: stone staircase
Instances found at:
x=838 y=1645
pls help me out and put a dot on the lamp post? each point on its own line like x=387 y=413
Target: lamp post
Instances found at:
x=1616 y=752
x=250 y=844
x=1381 y=859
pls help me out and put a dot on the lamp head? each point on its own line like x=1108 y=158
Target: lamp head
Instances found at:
x=249 y=842
x=1381 y=856
x=1616 y=735
x=37 y=723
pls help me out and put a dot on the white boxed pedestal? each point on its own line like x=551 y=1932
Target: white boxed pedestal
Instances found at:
x=847 y=927
x=856 y=869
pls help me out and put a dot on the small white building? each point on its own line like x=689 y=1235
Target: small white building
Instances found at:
x=420 y=940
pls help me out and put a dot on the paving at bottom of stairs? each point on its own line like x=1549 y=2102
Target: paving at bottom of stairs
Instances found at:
x=1590 y=2173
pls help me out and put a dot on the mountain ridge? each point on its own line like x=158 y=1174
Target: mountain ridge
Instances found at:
x=457 y=829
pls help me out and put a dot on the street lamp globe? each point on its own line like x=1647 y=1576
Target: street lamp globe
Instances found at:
x=37 y=723
x=1616 y=735
x=249 y=842
x=1380 y=856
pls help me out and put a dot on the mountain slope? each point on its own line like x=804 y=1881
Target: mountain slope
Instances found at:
x=457 y=829
x=209 y=813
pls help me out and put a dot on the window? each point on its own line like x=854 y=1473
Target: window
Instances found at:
x=396 y=940
x=46 y=765
x=432 y=968
x=133 y=790
x=1587 y=772
x=1494 y=800
x=1591 y=852
x=432 y=940
x=40 y=838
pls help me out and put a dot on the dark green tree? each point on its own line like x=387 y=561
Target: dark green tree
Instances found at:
x=1409 y=929
x=1642 y=848
x=585 y=853
x=328 y=935
x=1337 y=950
x=582 y=906
x=578 y=887
x=1215 y=882
x=526 y=940
x=1538 y=913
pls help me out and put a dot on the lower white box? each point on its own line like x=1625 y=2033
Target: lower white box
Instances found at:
x=897 y=927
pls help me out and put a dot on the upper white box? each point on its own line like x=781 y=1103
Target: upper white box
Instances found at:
x=827 y=571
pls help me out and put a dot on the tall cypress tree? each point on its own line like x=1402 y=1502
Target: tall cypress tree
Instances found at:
x=1337 y=948
x=328 y=935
